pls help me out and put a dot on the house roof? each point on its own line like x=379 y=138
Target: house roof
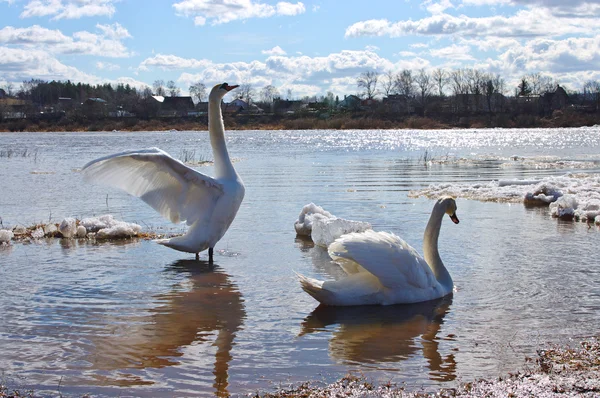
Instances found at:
x=178 y=103
x=95 y=99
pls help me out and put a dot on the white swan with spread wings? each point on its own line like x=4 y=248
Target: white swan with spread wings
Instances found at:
x=383 y=269
x=178 y=192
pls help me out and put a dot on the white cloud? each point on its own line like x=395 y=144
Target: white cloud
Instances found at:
x=107 y=66
x=219 y=11
x=274 y=51
x=553 y=56
x=559 y=7
x=18 y=64
x=32 y=35
x=68 y=9
x=407 y=54
x=107 y=43
x=524 y=23
x=437 y=7
x=285 y=8
x=171 y=62
x=307 y=75
x=454 y=52
x=114 y=31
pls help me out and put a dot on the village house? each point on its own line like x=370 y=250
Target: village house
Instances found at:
x=350 y=102
x=287 y=106
x=175 y=106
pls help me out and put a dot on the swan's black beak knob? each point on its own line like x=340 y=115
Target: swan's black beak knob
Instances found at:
x=454 y=218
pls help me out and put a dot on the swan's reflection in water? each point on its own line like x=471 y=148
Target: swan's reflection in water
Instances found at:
x=376 y=334
x=200 y=314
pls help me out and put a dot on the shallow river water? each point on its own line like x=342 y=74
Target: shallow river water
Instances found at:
x=135 y=318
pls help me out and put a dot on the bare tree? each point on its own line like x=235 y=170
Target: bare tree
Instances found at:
x=405 y=84
x=269 y=93
x=388 y=84
x=424 y=85
x=174 y=91
x=146 y=92
x=493 y=86
x=458 y=81
x=9 y=88
x=198 y=91
x=368 y=82
x=246 y=92
x=440 y=79
x=524 y=88
x=159 y=87
x=591 y=93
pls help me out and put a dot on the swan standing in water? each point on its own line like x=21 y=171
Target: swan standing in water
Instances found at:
x=178 y=192
x=384 y=269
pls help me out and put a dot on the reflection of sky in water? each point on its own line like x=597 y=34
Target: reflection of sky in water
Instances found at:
x=103 y=315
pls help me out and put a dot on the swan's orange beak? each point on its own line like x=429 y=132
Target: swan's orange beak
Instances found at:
x=229 y=88
x=454 y=218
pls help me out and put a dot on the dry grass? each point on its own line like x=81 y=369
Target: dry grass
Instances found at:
x=358 y=120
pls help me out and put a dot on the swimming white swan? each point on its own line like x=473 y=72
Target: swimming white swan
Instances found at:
x=384 y=269
x=178 y=192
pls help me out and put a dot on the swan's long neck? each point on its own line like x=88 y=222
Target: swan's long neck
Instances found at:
x=430 y=247
x=216 y=129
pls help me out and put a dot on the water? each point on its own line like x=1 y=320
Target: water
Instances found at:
x=136 y=318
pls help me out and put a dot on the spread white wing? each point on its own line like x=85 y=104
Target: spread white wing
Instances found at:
x=393 y=261
x=176 y=191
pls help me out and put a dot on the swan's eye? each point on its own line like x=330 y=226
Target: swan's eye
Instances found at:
x=224 y=86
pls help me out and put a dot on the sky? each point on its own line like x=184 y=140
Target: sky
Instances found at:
x=302 y=48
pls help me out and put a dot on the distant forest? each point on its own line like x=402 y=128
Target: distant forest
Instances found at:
x=407 y=99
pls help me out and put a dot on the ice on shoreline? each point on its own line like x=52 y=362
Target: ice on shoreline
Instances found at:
x=107 y=227
x=570 y=196
x=103 y=227
x=323 y=227
x=519 y=162
x=5 y=236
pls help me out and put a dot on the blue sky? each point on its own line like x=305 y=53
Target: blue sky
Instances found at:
x=304 y=48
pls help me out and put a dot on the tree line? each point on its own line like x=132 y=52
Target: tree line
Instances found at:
x=421 y=87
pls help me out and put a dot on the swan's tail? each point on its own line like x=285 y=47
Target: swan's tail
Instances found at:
x=314 y=288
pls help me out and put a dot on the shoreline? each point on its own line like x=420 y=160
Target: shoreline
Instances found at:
x=295 y=122
x=558 y=371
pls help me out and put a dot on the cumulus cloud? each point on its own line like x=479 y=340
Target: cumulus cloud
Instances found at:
x=303 y=74
x=107 y=66
x=171 y=62
x=219 y=12
x=274 y=51
x=437 y=7
x=107 y=44
x=68 y=9
x=554 y=56
x=454 y=52
x=579 y=8
x=524 y=23
x=19 y=65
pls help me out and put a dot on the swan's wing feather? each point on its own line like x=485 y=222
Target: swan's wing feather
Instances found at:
x=393 y=261
x=175 y=190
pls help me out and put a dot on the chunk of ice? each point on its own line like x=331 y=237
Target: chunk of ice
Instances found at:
x=308 y=215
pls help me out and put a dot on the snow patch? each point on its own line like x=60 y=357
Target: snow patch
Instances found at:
x=107 y=227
